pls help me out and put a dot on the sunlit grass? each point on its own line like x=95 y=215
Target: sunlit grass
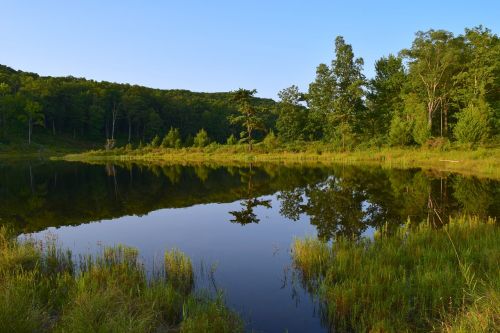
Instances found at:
x=179 y=270
x=42 y=290
x=415 y=280
x=481 y=161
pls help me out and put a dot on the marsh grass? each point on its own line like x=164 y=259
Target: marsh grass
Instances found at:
x=415 y=280
x=483 y=161
x=42 y=290
x=179 y=270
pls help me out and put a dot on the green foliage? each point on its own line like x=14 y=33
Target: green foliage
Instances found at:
x=343 y=137
x=400 y=132
x=270 y=141
x=292 y=117
x=156 y=141
x=172 y=139
x=250 y=117
x=421 y=130
x=473 y=124
x=232 y=140
x=384 y=98
x=434 y=81
x=335 y=97
x=201 y=139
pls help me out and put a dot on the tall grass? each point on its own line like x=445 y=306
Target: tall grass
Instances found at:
x=416 y=280
x=481 y=162
x=42 y=290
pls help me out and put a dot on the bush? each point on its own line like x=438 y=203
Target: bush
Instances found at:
x=400 y=132
x=231 y=140
x=201 y=139
x=421 y=130
x=172 y=139
x=472 y=125
x=270 y=141
x=156 y=141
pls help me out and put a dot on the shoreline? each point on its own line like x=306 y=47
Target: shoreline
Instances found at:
x=483 y=162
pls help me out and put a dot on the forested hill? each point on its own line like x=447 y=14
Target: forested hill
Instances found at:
x=443 y=89
x=34 y=107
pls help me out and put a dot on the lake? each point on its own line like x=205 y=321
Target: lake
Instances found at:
x=236 y=223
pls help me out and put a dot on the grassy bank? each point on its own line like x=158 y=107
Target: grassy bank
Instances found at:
x=415 y=280
x=43 y=290
x=484 y=162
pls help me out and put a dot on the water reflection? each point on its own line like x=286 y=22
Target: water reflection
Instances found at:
x=338 y=200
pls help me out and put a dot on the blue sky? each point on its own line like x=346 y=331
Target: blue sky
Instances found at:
x=216 y=45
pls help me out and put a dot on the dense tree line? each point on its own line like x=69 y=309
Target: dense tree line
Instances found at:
x=443 y=88
x=96 y=111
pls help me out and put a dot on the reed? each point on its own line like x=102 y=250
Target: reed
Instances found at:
x=415 y=280
x=43 y=290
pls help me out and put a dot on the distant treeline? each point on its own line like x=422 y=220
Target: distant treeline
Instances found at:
x=443 y=88
x=95 y=111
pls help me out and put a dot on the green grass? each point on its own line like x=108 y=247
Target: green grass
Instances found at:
x=482 y=161
x=419 y=279
x=42 y=290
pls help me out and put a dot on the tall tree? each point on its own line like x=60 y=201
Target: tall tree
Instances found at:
x=250 y=116
x=432 y=63
x=292 y=116
x=384 y=98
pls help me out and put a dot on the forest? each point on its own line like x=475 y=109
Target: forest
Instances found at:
x=442 y=89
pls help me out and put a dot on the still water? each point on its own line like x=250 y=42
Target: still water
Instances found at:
x=236 y=224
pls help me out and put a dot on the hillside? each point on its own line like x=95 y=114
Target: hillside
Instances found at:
x=45 y=111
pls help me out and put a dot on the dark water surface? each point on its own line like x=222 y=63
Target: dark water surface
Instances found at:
x=236 y=224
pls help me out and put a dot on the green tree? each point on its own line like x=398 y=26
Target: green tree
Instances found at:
x=250 y=116
x=472 y=126
x=384 y=98
x=32 y=116
x=292 y=116
x=172 y=139
x=201 y=139
x=336 y=96
x=349 y=79
x=433 y=61
x=156 y=141
x=400 y=131
x=320 y=100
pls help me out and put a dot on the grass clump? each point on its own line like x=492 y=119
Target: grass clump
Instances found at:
x=415 y=280
x=209 y=317
x=179 y=270
x=42 y=290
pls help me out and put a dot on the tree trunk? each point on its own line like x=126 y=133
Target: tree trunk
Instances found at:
x=249 y=130
x=53 y=127
x=29 y=130
x=446 y=120
x=129 y=129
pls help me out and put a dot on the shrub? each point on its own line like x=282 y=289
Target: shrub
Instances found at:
x=156 y=141
x=472 y=125
x=172 y=139
x=400 y=132
x=270 y=141
x=232 y=140
x=201 y=139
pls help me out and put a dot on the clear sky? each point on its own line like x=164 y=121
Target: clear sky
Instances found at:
x=214 y=45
